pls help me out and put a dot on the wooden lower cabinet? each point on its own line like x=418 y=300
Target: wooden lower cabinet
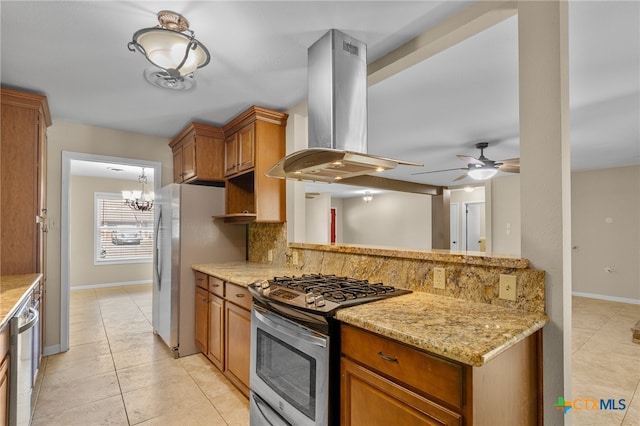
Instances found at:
x=370 y=399
x=223 y=327
x=237 y=346
x=216 y=331
x=386 y=382
x=4 y=375
x=202 y=319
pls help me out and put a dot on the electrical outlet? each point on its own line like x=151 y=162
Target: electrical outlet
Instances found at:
x=294 y=258
x=439 y=278
x=507 y=287
x=270 y=255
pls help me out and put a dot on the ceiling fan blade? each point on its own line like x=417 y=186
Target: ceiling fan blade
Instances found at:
x=470 y=160
x=460 y=177
x=510 y=162
x=438 y=171
x=509 y=168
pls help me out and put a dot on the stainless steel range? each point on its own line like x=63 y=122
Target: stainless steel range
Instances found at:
x=295 y=357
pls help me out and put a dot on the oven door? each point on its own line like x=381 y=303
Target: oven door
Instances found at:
x=289 y=368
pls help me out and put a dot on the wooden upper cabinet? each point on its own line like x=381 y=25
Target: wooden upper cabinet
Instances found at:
x=255 y=141
x=25 y=118
x=231 y=151
x=198 y=154
x=240 y=150
x=246 y=146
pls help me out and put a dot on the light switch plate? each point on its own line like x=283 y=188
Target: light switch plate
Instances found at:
x=294 y=258
x=507 y=287
x=270 y=255
x=439 y=278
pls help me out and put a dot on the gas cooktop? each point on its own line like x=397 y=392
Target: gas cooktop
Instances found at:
x=319 y=293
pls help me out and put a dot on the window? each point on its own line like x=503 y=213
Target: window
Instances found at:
x=122 y=235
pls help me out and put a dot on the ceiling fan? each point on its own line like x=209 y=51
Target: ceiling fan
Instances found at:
x=482 y=168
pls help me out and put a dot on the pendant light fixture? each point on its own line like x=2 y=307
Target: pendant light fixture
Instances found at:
x=172 y=47
x=139 y=200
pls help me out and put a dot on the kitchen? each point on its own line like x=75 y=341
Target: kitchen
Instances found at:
x=73 y=137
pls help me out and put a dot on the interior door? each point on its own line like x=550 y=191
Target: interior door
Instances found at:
x=472 y=226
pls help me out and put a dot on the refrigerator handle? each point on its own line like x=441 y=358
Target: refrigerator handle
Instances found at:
x=158 y=265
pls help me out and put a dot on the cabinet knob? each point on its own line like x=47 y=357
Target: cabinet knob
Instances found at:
x=240 y=295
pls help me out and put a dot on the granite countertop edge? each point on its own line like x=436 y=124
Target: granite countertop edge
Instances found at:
x=468 y=332
x=14 y=290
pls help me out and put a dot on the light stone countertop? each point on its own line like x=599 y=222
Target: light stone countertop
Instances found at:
x=468 y=332
x=244 y=273
x=463 y=331
x=14 y=289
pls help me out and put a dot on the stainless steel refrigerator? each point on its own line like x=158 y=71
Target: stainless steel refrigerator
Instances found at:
x=186 y=234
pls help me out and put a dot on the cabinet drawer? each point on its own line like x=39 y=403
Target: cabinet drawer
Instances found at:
x=238 y=295
x=216 y=286
x=419 y=370
x=201 y=280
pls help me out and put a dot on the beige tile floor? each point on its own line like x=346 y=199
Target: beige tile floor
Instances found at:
x=117 y=372
x=605 y=361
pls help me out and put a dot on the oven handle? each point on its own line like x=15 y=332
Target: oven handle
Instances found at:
x=265 y=411
x=284 y=327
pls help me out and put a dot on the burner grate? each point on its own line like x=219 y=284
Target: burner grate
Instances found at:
x=334 y=288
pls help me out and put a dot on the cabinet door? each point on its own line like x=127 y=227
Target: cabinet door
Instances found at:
x=216 y=331
x=246 y=145
x=189 y=159
x=177 y=165
x=372 y=400
x=231 y=154
x=237 y=345
x=202 y=319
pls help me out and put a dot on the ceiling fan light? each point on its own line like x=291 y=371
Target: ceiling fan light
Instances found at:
x=482 y=173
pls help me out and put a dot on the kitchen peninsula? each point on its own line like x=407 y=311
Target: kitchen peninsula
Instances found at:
x=458 y=355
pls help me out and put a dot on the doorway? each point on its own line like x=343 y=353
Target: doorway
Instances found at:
x=473 y=226
x=66 y=206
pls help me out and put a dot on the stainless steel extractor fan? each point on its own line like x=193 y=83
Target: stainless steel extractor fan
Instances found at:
x=482 y=168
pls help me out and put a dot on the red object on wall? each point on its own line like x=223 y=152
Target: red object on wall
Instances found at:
x=333 y=226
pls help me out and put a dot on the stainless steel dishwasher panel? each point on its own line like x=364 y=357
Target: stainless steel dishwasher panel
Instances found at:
x=22 y=325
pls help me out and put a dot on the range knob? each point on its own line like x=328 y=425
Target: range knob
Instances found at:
x=309 y=298
x=262 y=284
x=319 y=301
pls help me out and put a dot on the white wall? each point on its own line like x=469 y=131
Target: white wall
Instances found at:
x=606 y=232
x=318 y=219
x=505 y=215
x=393 y=219
x=82 y=270
x=72 y=137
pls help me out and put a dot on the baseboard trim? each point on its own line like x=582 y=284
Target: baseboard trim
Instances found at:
x=609 y=298
x=51 y=350
x=106 y=285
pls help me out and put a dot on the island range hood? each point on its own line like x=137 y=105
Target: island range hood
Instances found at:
x=337 y=105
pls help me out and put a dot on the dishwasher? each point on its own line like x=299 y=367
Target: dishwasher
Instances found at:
x=22 y=328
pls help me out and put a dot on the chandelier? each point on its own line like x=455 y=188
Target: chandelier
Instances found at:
x=139 y=200
x=171 y=47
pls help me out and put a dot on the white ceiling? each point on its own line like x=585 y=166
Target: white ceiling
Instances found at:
x=75 y=52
